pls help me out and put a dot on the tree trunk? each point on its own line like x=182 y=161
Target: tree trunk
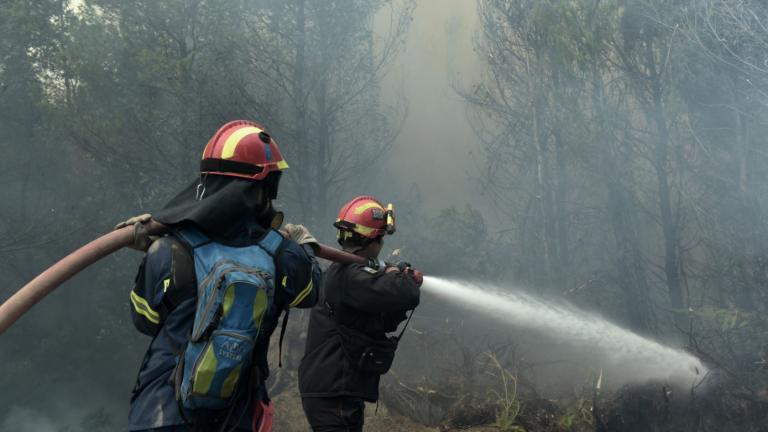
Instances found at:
x=303 y=155
x=669 y=225
x=561 y=212
x=323 y=147
x=751 y=237
x=628 y=258
x=543 y=186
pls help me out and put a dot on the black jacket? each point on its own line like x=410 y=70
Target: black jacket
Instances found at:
x=364 y=299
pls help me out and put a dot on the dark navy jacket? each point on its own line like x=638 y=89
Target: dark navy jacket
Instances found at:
x=160 y=311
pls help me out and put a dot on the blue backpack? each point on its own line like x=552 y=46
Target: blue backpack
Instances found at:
x=235 y=291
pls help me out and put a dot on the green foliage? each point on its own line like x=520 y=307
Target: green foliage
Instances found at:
x=577 y=414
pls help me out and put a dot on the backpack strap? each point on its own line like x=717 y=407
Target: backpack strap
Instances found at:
x=408 y=321
x=274 y=244
x=271 y=243
x=282 y=336
x=183 y=283
x=192 y=237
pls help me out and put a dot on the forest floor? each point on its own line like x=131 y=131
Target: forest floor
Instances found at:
x=290 y=417
x=641 y=408
x=484 y=402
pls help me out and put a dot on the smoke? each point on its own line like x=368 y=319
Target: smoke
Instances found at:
x=61 y=415
x=625 y=355
x=435 y=146
x=22 y=419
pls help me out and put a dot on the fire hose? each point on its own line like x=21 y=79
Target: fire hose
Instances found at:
x=46 y=282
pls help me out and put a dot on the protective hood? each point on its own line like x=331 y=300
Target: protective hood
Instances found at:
x=232 y=211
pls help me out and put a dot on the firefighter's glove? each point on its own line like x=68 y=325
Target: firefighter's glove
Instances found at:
x=402 y=265
x=298 y=233
x=417 y=276
x=141 y=238
x=406 y=267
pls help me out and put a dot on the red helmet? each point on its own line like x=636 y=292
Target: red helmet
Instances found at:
x=242 y=149
x=366 y=216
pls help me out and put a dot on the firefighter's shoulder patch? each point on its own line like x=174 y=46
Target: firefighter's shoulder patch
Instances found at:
x=370 y=270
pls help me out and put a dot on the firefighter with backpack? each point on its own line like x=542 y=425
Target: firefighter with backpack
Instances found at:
x=211 y=292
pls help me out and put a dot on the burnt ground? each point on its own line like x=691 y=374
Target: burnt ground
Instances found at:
x=643 y=408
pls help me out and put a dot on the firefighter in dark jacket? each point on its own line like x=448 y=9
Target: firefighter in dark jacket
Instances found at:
x=229 y=211
x=347 y=347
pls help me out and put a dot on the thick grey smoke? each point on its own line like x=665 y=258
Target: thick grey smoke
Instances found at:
x=640 y=197
x=436 y=145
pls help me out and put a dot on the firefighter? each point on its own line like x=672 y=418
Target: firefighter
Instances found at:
x=347 y=347
x=210 y=294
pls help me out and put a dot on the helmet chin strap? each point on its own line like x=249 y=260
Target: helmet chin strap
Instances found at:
x=354 y=250
x=342 y=237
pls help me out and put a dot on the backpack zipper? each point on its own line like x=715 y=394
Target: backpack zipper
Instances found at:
x=222 y=275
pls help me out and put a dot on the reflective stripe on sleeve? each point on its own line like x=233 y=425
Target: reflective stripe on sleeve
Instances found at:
x=141 y=307
x=303 y=294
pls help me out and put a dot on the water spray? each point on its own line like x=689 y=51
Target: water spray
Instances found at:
x=618 y=347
